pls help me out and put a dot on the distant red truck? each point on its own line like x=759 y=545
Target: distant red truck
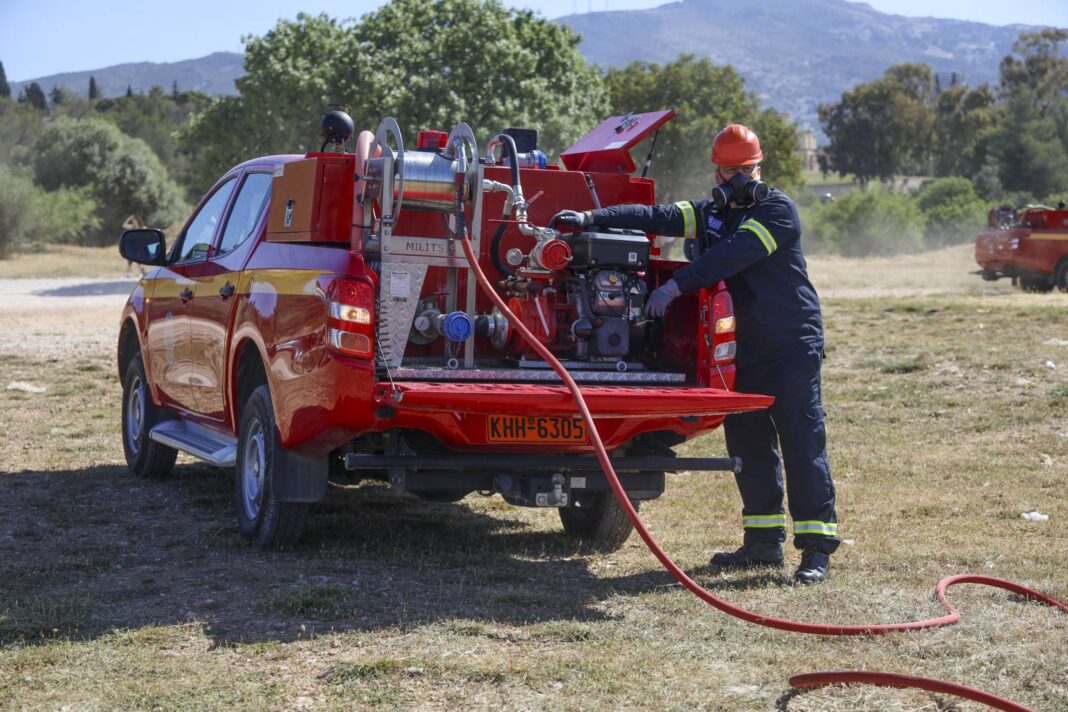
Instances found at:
x=1029 y=245
x=316 y=318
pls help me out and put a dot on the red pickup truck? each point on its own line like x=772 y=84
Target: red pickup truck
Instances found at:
x=315 y=318
x=1030 y=246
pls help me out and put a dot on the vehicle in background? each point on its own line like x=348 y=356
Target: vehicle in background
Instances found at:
x=1029 y=246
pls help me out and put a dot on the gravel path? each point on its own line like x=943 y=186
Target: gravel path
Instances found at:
x=43 y=318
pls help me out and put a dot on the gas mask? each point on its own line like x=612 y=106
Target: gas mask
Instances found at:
x=740 y=189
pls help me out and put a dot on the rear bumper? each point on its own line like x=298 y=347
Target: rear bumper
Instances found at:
x=459 y=414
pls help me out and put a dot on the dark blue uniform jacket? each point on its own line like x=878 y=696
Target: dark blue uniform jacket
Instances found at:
x=757 y=250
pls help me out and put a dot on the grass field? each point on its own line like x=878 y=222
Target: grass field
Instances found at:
x=946 y=400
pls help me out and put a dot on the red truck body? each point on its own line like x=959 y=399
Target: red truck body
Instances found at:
x=1029 y=246
x=214 y=321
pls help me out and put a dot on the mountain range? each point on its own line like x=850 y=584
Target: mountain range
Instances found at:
x=793 y=54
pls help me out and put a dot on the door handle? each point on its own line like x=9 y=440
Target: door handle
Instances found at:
x=186 y=294
x=226 y=291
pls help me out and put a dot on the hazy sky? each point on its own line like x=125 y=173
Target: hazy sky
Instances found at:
x=38 y=39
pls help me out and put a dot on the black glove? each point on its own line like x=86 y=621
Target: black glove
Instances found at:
x=571 y=218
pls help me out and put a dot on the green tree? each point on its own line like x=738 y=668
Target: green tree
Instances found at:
x=882 y=128
x=5 y=88
x=20 y=125
x=1031 y=141
x=62 y=96
x=964 y=118
x=31 y=217
x=706 y=98
x=34 y=96
x=409 y=59
x=952 y=211
x=94 y=92
x=121 y=174
x=157 y=118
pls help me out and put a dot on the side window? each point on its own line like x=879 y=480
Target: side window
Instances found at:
x=201 y=232
x=246 y=212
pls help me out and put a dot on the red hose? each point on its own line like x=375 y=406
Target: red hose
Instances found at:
x=890 y=679
x=795 y=626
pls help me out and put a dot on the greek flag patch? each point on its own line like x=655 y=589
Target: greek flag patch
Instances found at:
x=715 y=223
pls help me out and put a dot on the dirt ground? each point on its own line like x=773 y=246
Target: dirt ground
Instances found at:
x=946 y=399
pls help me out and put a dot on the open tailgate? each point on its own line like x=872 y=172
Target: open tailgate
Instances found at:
x=543 y=399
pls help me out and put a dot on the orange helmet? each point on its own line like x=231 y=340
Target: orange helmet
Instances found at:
x=736 y=146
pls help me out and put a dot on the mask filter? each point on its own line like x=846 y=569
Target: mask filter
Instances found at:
x=740 y=189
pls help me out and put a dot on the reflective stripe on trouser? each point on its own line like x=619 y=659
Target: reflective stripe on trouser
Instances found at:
x=763 y=521
x=794 y=421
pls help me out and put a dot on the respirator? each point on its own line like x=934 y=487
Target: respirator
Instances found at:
x=740 y=189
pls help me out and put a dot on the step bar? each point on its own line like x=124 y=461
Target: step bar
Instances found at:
x=209 y=445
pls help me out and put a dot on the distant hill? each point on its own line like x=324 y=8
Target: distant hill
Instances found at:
x=792 y=54
x=214 y=74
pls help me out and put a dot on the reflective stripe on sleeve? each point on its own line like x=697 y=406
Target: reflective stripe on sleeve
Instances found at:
x=814 y=527
x=764 y=521
x=689 y=221
x=762 y=232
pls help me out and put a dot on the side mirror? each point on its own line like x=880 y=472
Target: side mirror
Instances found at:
x=145 y=246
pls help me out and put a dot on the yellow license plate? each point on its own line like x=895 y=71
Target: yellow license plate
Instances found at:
x=534 y=429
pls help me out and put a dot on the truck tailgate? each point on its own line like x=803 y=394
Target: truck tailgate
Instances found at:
x=543 y=399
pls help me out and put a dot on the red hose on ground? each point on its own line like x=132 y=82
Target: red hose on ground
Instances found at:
x=681 y=576
x=890 y=679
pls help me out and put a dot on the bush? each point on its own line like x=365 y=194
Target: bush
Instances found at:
x=31 y=217
x=865 y=223
x=121 y=174
x=952 y=211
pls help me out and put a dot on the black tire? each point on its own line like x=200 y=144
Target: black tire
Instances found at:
x=1060 y=276
x=598 y=520
x=261 y=517
x=145 y=457
x=1039 y=285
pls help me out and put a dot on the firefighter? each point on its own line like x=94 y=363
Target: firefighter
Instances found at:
x=751 y=238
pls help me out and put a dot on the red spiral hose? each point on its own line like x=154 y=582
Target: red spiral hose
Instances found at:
x=708 y=597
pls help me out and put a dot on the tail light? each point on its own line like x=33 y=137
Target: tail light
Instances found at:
x=723 y=325
x=351 y=322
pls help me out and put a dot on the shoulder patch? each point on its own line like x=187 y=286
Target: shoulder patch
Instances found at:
x=715 y=223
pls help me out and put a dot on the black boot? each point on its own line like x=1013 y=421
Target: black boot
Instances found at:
x=750 y=556
x=815 y=567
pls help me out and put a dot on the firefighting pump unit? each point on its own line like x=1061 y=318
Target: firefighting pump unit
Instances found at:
x=582 y=295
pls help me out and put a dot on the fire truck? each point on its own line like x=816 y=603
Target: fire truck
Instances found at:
x=316 y=318
x=1030 y=246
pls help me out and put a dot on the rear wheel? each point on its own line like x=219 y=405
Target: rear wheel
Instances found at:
x=262 y=518
x=597 y=519
x=1060 y=276
x=1036 y=284
x=144 y=456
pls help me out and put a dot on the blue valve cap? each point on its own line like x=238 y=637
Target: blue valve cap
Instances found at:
x=458 y=327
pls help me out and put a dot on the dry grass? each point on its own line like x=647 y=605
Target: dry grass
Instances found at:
x=945 y=424
x=66 y=261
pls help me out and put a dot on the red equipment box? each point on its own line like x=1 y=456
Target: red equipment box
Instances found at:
x=311 y=200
